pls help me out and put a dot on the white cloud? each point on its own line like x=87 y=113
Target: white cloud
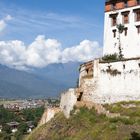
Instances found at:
x=85 y=51
x=42 y=52
x=3 y=23
x=12 y=53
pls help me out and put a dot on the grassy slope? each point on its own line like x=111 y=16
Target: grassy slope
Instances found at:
x=87 y=125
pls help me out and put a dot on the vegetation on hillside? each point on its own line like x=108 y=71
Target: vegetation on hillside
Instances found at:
x=86 y=124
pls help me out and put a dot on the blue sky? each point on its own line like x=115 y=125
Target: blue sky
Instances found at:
x=36 y=33
x=69 y=21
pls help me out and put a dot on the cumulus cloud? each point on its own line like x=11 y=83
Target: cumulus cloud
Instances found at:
x=42 y=52
x=3 y=21
x=85 y=51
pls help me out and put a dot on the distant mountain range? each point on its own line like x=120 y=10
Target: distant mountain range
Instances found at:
x=38 y=83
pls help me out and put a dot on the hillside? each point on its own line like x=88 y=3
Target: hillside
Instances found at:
x=88 y=125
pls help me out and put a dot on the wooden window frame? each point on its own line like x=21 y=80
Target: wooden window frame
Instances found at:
x=113 y=19
x=137 y=14
x=125 y=15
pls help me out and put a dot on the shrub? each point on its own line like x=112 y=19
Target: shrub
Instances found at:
x=126 y=121
x=110 y=57
x=112 y=126
x=114 y=120
x=123 y=120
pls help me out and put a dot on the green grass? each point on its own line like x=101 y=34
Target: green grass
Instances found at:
x=131 y=114
x=88 y=125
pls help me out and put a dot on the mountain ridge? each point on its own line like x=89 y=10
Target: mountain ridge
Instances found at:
x=39 y=83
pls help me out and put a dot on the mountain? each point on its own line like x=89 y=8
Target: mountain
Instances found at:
x=46 y=82
x=11 y=90
x=62 y=73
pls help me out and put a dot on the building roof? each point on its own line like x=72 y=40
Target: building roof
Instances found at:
x=13 y=123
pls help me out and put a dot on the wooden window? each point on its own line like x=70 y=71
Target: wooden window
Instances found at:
x=125 y=31
x=114 y=33
x=137 y=15
x=125 y=18
x=138 y=29
x=113 y=19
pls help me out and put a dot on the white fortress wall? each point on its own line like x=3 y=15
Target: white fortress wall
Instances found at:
x=68 y=100
x=112 y=82
x=118 y=81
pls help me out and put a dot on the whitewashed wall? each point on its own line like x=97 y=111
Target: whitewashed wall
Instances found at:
x=130 y=43
x=48 y=115
x=110 y=88
x=120 y=87
x=68 y=100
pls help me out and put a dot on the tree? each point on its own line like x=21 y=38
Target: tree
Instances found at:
x=120 y=28
x=5 y=136
x=7 y=129
x=23 y=128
